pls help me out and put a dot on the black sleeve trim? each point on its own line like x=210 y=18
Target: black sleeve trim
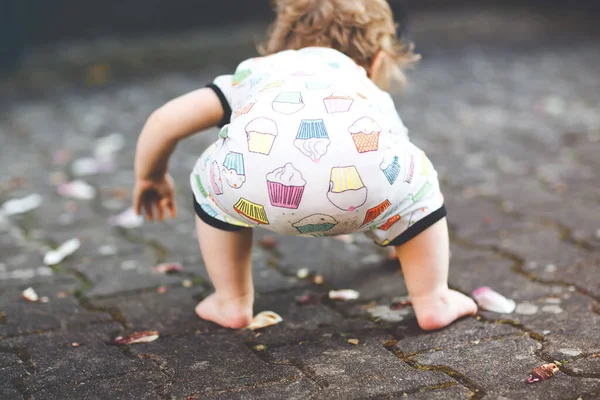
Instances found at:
x=224 y=103
x=215 y=223
x=419 y=226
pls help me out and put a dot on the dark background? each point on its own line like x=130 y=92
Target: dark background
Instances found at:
x=25 y=23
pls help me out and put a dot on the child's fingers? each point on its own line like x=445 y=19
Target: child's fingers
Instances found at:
x=136 y=203
x=172 y=208
x=160 y=210
x=148 y=210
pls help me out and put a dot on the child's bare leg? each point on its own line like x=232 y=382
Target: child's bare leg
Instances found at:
x=424 y=261
x=227 y=256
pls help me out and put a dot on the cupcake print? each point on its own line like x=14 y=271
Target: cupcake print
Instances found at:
x=312 y=139
x=215 y=178
x=376 y=211
x=252 y=211
x=209 y=210
x=390 y=167
x=425 y=192
x=261 y=133
x=346 y=189
x=239 y=76
x=388 y=224
x=365 y=133
x=315 y=223
x=245 y=109
x=337 y=103
x=285 y=186
x=317 y=85
x=233 y=221
x=199 y=185
x=288 y=103
x=273 y=85
x=233 y=169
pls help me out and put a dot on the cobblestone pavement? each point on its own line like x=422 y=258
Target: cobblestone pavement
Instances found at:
x=514 y=130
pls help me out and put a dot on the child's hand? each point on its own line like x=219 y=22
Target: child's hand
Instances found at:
x=158 y=193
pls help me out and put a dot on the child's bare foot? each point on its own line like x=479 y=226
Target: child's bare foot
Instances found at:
x=233 y=313
x=440 y=309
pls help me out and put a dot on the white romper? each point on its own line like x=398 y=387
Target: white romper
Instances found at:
x=310 y=146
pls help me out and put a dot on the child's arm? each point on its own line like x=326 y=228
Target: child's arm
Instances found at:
x=174 y=121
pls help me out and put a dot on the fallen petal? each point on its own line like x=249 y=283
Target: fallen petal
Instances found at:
x=303 y=273
x=137 y=337
x=75 y=344
x=542 y=373
x=307 y=299
x=77 y=189
x=128 y=219
x=493 y=301
x=260 y=347
x=162 y=290
x=187 y=283
x=353 y=341
x=168 y=268
x=69 y=247
x=107 y=146
x=22 y=205
x=345 y=294
x=264 y=319
x=85 y=166
x=30 y=295
x=318 y=279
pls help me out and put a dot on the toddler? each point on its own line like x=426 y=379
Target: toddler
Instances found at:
x=310 y=145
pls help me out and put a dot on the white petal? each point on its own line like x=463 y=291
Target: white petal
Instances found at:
x=69 y=247
x=30 y=295
x=493 y=301
x=264 y=319
x=127 y=219
x=77 y=189
x=22 y=205
x=345 y=294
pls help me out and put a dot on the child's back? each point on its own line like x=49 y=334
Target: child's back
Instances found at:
x=309 y=145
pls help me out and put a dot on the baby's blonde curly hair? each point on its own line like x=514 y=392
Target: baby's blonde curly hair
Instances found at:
x=358 y=28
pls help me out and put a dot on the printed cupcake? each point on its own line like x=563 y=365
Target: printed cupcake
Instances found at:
x=245 y=109
x=315 y=223
x=317 y=85
x=288 y=103
x=337 y=103
x=215 y=178
x=346 y=189
x=365 y=133
x=233 y=221
x=233 y=169
x=252 y=211
x=389 y=223
x=373 y=213
x=312 y=139
x=390 y=167
x=261 y=133
x=199 y=185
x=286 y=186
x=273 y=85
x=239 y=76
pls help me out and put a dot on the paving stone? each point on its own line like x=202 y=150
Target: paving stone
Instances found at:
x=22 y=318
x=137 y=384
x=455 y=392
x=348 y=371
x=459 y=333
x=584 y=366
x=472 y=268
x=583 y=274
x=304 y=322
x=171 y=313
x=500 y=368
x=295 y=390
x=123 y=273
x=341 y=264
x=10 y=369
x=55 y=362
x=199 y=364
